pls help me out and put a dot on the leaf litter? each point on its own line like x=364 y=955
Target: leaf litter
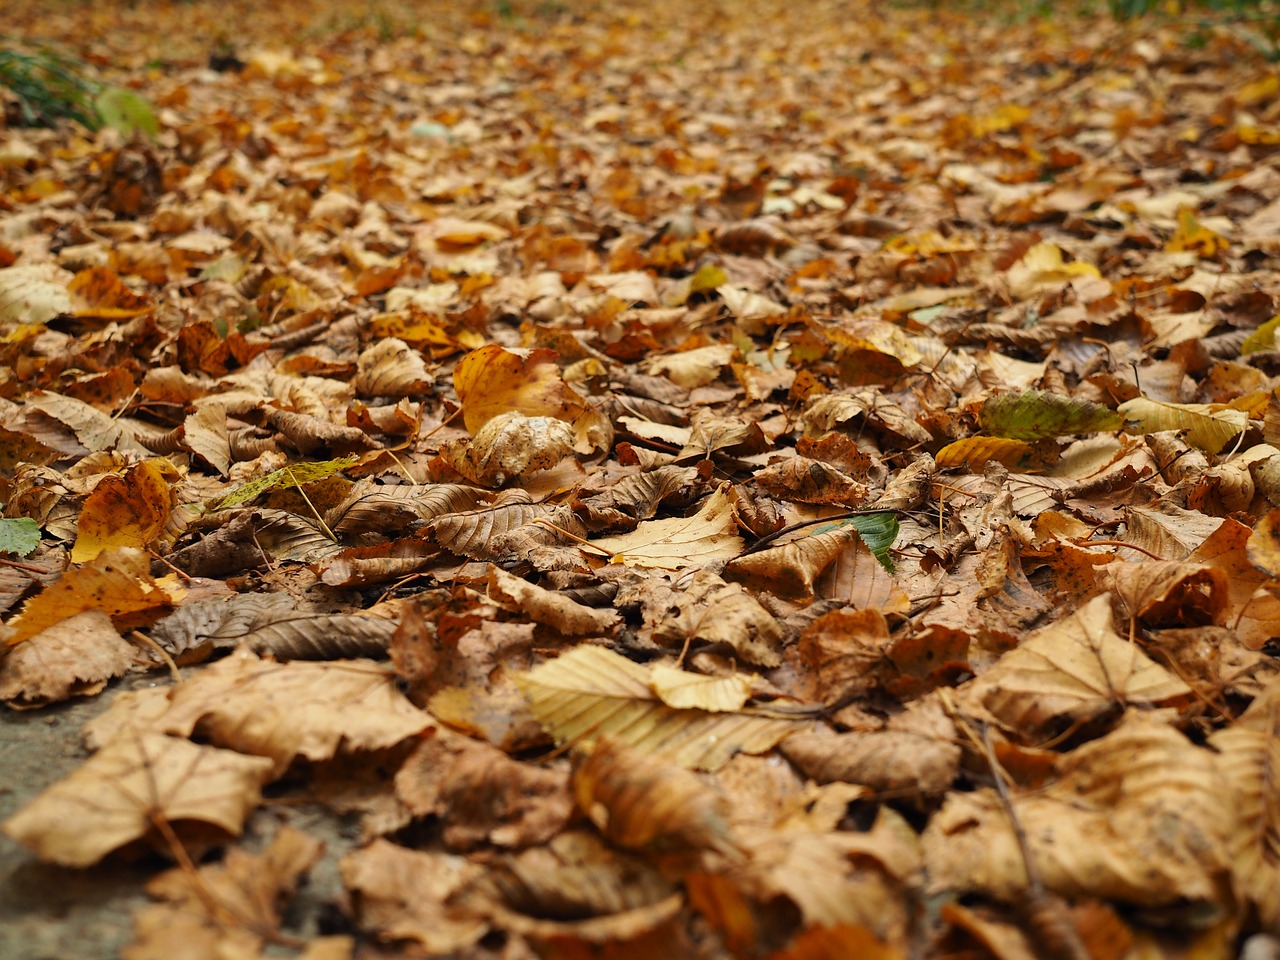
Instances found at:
x=743 y=481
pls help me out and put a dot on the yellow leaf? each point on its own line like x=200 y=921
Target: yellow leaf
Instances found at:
x=125 y=511
x=684 y=690
x=974 y=452
x=493 y=381
x=1208 y=426
x=592 y=692
x=117 y=581
x=680 y=542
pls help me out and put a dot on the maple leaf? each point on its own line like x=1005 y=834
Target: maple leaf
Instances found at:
x=116 y=796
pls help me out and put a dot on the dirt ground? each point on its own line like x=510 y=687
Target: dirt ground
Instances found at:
x=52 y=913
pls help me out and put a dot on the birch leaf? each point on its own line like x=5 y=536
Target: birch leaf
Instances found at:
x=592 y=692
x=1207 y=426
x=680 y=542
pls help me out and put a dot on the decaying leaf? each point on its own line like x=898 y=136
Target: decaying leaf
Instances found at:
x=116 y=796
x=402 y=894
x=546 y=606
x=229 y=908
x=71 y=657
x=510 y=445
x=1136 y=816
x=118 y=582
x=591 y=692
x=483 y=796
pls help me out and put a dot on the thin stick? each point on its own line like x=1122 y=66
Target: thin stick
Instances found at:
x=161 y=652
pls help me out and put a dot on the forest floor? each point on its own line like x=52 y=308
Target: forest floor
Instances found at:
x=739 y=480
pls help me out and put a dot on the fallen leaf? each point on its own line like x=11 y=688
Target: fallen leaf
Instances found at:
x=116 y=796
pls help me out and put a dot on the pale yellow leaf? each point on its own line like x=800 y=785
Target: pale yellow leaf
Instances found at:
x=591 y=692
x=679 y=542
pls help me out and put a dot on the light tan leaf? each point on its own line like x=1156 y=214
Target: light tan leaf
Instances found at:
x=639 y=801
x=695 y=691
x=206 y=434
x=33 y=293
x=112 y=798
x=1075 y=669
x=508 y=446
x=546 y=606
x=1208 y=426
x=93 y=428
x=297 y=709
x=403 y=894
x=75 y=656
x=691 y=368
x=591 y=692
x=679 y=542
x=226 y=909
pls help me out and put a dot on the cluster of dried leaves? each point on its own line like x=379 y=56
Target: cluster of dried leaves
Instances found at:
x=809 y=468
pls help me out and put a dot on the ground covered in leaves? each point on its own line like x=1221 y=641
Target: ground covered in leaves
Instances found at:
x=730 y=480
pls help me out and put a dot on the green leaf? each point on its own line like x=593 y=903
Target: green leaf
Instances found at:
x=20 y=536
x=1264 y=338
x=127 y=112
x=294 y=475
x=1038 y=415
x=876 y=530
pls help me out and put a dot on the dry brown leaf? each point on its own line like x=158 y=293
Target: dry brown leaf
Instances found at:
x=74 y=657
x=577 y=875
x=915 y=752
x=224 y=909
x=298 y=709
x=481 y=795
x=269 y=624
x=115 y=797
x=641 y=802
x=591 y=692
x=1076 y=670
x=391 y=368
x=548 y=607
x=791 y=569
x=707 y=610
x=1248 y=758
x=402 y=894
